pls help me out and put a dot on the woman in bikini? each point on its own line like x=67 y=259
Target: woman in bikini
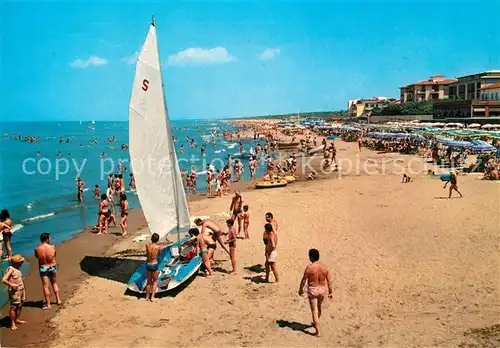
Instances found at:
x=231 y=241
x=124 y=213
x=236 y=208
x=5 y=228
x=104 y=215
x=210 y=179
x=246 y=221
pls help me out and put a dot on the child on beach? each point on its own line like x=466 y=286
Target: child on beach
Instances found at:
x=231 y=241
x=218 y=183
x=97 y=193
x=246 y=221
x=13 y=278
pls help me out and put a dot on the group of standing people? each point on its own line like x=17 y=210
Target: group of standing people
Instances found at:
x=45 y=253
x=106 y=214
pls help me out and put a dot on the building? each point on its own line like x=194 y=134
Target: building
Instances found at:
x=469 y=87
x=471 y=96
x=490 y=92
x=435 y=88
x=361 y=107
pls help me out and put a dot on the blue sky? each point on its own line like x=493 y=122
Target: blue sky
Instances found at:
x=70 y=61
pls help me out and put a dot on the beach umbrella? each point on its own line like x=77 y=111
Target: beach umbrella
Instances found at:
x=474 y=125
x=488 y=126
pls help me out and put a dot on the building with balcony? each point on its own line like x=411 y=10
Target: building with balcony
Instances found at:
x=469 y=87
x=435 y=88
x=362 y=107
x=490 y=92
x=473 y=96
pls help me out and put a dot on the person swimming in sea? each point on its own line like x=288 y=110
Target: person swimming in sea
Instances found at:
x=79 y=187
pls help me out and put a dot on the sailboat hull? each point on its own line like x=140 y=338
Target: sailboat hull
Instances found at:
x=174 y=271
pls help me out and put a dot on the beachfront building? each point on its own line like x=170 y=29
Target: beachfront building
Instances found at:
x=363 y=107
x=435 y=88
x=469 y=87
x=490 y=92
x=471 y=96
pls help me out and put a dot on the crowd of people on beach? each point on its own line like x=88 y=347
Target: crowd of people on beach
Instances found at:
x=208 y=233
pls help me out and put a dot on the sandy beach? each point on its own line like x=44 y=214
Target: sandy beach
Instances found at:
x=409 y=268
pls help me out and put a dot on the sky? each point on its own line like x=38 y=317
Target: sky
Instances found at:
x=75 y=60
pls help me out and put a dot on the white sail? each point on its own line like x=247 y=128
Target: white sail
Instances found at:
x=152 y=152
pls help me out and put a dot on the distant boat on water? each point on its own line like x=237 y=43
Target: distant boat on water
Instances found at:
x=93 y=122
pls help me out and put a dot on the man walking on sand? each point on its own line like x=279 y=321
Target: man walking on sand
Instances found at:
x=317 y=277
x=46 y=255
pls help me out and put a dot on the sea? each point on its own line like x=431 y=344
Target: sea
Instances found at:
x=38 y=179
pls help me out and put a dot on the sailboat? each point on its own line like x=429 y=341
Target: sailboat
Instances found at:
x=156 y=172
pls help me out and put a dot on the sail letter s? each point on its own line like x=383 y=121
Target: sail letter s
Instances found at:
x=145 y=84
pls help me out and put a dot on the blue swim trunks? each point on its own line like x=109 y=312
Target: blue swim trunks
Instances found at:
x=48 y=270
x=152 y=267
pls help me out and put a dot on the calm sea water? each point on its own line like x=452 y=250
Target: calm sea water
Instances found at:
x=40 y=200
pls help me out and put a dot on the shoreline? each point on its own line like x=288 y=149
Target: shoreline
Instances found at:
x=69 y=276
x=368 y=245
x=73 y=251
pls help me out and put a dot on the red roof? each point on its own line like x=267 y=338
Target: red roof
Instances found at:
x=442 y=82
x=427 y=82
x=492 y=86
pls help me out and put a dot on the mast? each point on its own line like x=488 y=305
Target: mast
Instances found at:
x=171 y=146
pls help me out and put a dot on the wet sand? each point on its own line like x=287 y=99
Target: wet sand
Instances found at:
x=75 y=260
x=409 y=267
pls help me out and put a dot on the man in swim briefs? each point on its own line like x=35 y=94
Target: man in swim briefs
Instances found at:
x=46 y=255
x=270 y=242
x=317 y=277
x=202 y=243
x=270 y=220
x=236 y=209
x=152 y=252
x=216 y=230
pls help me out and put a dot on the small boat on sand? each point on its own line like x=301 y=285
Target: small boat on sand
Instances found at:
x=159 y=188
